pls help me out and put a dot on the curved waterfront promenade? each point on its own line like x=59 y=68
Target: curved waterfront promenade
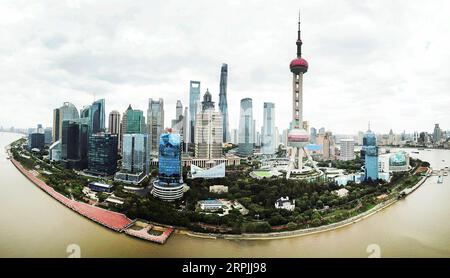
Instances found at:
x=310 y=231
x=110 y=219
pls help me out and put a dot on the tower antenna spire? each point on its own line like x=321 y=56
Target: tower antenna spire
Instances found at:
x=299 y=39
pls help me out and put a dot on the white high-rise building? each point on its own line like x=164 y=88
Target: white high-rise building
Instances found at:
x=114 y=122
x=347 y=149
x=208 y=130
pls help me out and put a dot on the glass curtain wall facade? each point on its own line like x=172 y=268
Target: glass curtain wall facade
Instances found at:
x=268 y=136
x=102 y=155
x=169 y=185
x=194 y=99
x=371 y=156
x=223 y=104
x=97 y=120
x=135 y=158
x=155 y=122
x=246 y=128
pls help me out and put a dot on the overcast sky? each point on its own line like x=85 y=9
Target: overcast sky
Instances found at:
x=387 y=62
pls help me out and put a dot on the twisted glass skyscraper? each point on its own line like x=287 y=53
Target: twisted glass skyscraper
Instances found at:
x=223 y=105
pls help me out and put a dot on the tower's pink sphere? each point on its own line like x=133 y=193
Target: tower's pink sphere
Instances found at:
x=299 y=65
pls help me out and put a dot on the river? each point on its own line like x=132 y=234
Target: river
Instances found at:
x=35 y=225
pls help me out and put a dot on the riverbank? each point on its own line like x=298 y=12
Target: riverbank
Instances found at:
x=104 y=217
x=112 y=220
x=309 y=231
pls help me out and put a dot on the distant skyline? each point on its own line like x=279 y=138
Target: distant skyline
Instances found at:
x=386 y=62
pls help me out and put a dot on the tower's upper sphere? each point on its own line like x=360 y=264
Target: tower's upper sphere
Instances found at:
x=299 y=65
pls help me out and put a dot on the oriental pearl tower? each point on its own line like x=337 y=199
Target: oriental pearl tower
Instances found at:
x=298 y=137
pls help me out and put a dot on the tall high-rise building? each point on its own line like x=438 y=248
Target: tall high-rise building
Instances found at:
x=74 y=144
x=371 y=155
x=97 y=117
x=36 y=140
x=208 y=130
x=234 y=136
x=114 y=122
x=48 y=131
x=437 y=134
x=133 y=121
x=268 y=133
x=66 y=112
x=194 y=99
x=155 y=122
x=180 y=124
x=102 y=154
x=223 y=105
x=246 y=128
x=136 y=150
x=313 y=135
x=347 y=149
x=179 y=110
x=169 y=186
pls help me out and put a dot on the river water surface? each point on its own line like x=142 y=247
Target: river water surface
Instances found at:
x=32 y=224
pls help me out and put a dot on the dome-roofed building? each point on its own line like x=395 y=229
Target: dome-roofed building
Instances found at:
x=399 y=162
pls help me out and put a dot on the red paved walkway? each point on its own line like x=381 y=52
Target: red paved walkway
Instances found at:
x=110 y=219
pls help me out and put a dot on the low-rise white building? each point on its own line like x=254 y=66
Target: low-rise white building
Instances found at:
x=341 y=192
x=285 y=203
x=219 y=189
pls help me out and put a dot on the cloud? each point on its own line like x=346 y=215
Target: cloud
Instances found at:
x=380 y=61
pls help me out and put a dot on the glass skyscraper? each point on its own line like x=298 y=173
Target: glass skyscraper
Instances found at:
x=97 y=116
x=169 y=185
x=246 y=137
x=66 y=112
x=155 y=122
x=135 y=158
x=268 y=136
x=102 y=154
x=74 y=144
x=371 y=156
x=135 y=121
x=223 y=105
x=194 y=99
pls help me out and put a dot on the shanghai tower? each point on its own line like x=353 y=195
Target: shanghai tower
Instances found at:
x=223 y=105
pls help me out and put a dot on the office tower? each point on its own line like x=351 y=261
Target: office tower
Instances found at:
x=208 y=130
x=39 y=129
x=48 y=136
x=169 y=186
x=313 y=135
x=234 y=136
x=223 y=105
x=326 y=146
x=268 y=133
x=322 y=130
x=136 y=150
x=155 y=122
x=347 y=149
x=102 y=154
x=284 y=139
x=179 y=110
x=114 y=122
x=36 y=140
x=194 y=99
x=135 y=121
x=74 y=144
x=437 y=134
x=97 y=123
x=66 y=112
x=186 y=130
x=371 y=155
x=246 y=128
